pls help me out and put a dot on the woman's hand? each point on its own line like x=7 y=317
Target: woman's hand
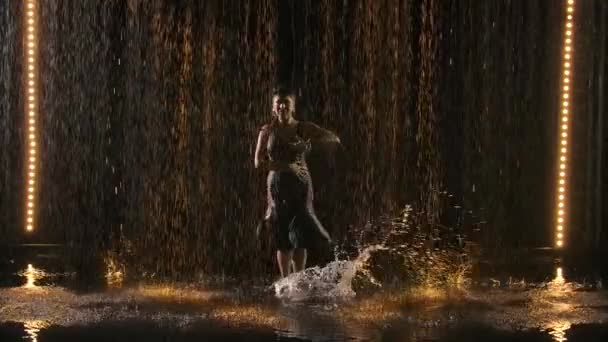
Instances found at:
x=302 y=146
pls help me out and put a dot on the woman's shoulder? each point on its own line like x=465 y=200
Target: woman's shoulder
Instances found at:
x=266 y=128
x=307 y=126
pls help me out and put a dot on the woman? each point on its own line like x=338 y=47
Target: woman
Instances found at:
x=281 y=149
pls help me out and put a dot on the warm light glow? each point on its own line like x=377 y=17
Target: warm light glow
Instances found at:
x=30 y=275
x=31 y=44
x=561 y=212
x=559 y=275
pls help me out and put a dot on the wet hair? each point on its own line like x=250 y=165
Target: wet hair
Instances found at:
x=283 y=91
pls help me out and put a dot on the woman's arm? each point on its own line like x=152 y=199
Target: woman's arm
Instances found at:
x=260 y=149
x=317 y=134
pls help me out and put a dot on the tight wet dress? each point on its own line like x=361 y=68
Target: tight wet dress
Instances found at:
x=290 y=212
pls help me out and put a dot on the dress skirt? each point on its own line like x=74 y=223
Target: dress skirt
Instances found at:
x=290 y=211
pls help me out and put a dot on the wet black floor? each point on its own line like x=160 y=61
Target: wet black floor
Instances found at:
x=42 y=300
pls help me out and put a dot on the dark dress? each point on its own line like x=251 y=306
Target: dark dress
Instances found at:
x=290 y=211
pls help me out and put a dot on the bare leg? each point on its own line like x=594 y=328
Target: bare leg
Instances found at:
x=284 y=259
x=299 y=259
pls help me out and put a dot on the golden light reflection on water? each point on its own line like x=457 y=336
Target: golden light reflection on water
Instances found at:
x=32 y=328
x=558 y=330
x=559 y=276
x=557 y=287
x=115 y=274
x=386 y=307
x=177 y=294
x=217 y=305
x=255 y=315
x=32 y=275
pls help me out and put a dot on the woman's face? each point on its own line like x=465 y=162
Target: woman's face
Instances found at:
x=283 y=107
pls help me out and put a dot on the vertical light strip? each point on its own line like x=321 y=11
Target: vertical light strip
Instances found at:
x=31 y=109
x=564 y=124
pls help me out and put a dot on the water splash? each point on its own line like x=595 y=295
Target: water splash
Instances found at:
x=334 y=281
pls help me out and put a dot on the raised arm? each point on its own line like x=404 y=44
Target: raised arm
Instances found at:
x=318 y=134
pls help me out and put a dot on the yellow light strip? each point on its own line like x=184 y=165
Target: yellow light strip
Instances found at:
x=564 y=126
x=31 y=106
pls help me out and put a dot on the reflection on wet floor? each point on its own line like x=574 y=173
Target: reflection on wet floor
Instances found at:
x=32 y=328
x=40 y=307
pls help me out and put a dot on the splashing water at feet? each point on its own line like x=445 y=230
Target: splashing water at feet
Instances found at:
x=334 y=281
